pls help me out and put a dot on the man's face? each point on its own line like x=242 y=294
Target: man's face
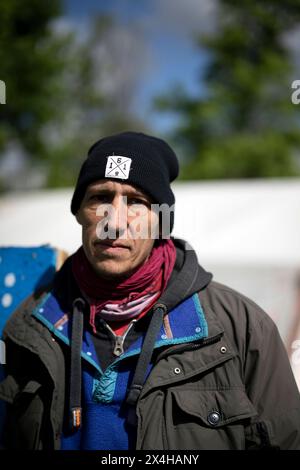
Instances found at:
x=113 y=207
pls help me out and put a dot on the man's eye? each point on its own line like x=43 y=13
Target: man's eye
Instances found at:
x=138 y=201
x=99 y=198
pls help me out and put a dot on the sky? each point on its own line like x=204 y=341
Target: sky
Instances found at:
x=161 y=35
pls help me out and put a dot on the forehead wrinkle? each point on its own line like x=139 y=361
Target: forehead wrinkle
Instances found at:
x=108 y=188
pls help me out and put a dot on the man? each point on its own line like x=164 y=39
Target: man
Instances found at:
x=134 y=346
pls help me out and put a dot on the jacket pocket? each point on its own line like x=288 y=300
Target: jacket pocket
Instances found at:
x=208 y=419
x=24 y=414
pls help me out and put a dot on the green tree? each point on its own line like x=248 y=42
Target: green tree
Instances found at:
x=31 y=60
x=243 y=125
x=58 y=101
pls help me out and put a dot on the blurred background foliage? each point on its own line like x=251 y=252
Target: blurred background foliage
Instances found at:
x=245 y=125
x=65 y=91
x=59 y=99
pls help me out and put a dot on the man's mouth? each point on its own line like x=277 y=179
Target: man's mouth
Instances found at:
x=111 y=245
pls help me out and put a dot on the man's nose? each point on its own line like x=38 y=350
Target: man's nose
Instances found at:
x=118 y=215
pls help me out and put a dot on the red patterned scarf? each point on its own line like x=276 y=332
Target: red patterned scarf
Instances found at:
x=130 y=295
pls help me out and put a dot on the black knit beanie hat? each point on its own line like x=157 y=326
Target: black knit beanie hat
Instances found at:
x=133 y=158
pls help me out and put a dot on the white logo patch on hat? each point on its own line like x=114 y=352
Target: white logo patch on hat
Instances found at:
x=117 y=167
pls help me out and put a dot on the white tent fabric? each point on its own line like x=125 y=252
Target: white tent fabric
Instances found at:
x=256 y=221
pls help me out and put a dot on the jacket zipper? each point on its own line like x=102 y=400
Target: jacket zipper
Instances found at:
x=119 y=340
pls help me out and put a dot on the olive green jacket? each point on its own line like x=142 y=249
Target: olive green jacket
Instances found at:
x=233 y=390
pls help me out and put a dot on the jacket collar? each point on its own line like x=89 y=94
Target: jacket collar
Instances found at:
x=185 y=323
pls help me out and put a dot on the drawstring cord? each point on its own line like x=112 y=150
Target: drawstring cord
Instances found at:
x=159 y=310
x=75 y=370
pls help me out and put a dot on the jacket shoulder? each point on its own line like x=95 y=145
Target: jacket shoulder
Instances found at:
x=235 y=311
x=22 y=314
